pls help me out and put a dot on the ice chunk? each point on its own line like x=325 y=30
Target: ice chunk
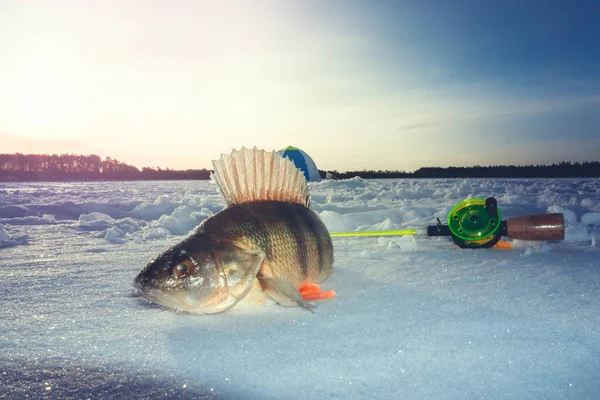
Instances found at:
x=151 y=233
x=114 y=235
x=385 y=225
x=4 y=235
x=128 y=225
x=47 y=219
x=335 y=222
x=356 y=181
x=334 y=198
x=570 y=217
x=95 y=221
x=590 y=219
x=577 y=233
x=589 y=203
x=8 y=240
x=148 y=211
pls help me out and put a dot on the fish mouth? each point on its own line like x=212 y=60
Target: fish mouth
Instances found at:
x=163 y=298
x=180 y=301
x=152 y=294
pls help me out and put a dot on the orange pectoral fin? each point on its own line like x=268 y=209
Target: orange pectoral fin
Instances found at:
x=503 y=245
x=312 y=291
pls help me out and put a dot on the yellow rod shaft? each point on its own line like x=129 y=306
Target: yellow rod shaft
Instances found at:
x=376 y=233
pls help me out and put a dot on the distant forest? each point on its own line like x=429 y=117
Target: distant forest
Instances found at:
x=564 y=169
x=68 y=167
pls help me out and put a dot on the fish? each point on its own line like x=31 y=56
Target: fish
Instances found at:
x=266 y=243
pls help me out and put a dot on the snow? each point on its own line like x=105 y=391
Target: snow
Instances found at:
x=590 y=219
x=7 y=240
x=415 y=317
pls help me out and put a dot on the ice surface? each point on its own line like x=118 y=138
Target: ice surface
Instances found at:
x=413 y=318
x=8 y=240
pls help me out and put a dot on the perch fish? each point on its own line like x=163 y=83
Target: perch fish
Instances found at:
x=267 y=242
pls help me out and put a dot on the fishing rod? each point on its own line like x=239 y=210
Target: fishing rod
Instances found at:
x=477 y=224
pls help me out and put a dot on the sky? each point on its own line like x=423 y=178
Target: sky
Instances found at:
x=393 y=85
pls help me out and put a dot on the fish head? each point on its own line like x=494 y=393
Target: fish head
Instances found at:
x=199 y=277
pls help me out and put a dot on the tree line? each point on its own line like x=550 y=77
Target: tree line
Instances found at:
x=64 y=167
x=70 y=167
x=564 y=169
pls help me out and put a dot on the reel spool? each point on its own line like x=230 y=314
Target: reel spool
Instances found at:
x=475 y=223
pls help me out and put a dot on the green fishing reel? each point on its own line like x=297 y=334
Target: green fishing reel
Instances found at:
x=475 y=223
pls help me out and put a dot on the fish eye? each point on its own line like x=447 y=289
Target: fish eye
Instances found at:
x=183 y=268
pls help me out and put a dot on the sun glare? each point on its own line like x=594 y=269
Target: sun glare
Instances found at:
x=40 y=104
x=36 y=100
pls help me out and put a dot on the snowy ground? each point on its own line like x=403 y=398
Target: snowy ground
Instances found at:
x=413 y=319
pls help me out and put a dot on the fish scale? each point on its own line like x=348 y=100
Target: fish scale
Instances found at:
x=297 y=244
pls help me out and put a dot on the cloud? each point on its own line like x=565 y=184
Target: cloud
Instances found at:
x=421 y=125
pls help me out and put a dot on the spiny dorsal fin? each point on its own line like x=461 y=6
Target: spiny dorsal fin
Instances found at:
x=254 y=175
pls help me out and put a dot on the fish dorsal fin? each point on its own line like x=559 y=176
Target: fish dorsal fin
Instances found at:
x=249 y=175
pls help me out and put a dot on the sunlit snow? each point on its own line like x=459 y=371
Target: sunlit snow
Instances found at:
x=414 y=318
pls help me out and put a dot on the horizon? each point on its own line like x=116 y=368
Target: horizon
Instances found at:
x=380 y=86
x=571 y=163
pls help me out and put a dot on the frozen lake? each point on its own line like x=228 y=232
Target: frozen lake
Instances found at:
x=414 y=318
